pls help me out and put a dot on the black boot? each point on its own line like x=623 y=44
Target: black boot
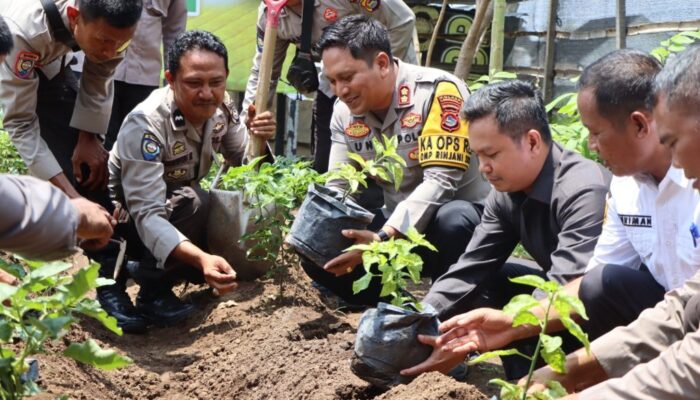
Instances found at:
x=116 y=302
x=157 y=302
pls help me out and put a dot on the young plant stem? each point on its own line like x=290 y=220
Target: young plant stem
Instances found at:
x=539 y=345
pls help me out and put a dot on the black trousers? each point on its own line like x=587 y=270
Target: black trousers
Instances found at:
x=126 y=97
x=615 y=296
x=323 y=111
x=449 y=231
x=55 y=102
x=189 y=216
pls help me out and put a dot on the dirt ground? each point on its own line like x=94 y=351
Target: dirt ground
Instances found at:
x=248 y=344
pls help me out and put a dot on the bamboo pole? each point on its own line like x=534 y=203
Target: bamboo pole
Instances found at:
x=436 y=30
x=470 y=45
x=549 y=51
x=497 y=32
x=621 y=24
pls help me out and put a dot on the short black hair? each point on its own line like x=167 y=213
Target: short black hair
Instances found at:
x=364 y=37
x=679 y=80
x=194 y=40
x=117 y=13
x=517 y=106
x=5 y=38
x=621 y=82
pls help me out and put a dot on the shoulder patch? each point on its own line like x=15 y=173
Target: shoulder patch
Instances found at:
x=444 y=140
x=330 y=14
x=357 y=130
x=150 y=147
x=25 y=63
x=370 y=5
x=404 y=95
x=411 y=120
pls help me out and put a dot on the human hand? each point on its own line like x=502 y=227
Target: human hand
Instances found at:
x=439 y=360
x=95 y=225
x=263 y=126
x=89 y=151
x=218 y=274
x=541 y=377
x=347 y=261
x=481 y=330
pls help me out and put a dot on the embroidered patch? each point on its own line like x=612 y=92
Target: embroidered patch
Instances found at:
x=25 y=63
x=178 y=148
x=357 y=130
x=150 y=148
x=637 y=221
x=411 y=120
x=404 y=95
x=178 y=119
x=450 y=106
x=413 y=155
x=330 y=14
x=218 y=127
x=177 y=173
x=370 y=5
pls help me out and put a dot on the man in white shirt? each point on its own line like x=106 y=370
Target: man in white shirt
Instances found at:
x=646 y=247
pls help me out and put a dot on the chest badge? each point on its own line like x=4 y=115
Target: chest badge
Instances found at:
x=450 y=106
x=370 y=5
x=178 y=148
x=218 y=127
x=330 y=14
x=413 y=155
x=357 y=130
x=404 y=95
x=178 y=119
x=25 y=63
x=411 y=120
x=177 y=173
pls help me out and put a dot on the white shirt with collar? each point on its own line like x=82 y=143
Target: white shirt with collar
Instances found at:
x=651 y=223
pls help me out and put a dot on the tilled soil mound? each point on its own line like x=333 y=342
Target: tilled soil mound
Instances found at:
x=249 y=344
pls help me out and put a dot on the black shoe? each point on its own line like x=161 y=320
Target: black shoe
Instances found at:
x=162 y=308
x=117 y=303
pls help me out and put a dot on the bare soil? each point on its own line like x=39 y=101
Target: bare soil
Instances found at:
x=249 y=344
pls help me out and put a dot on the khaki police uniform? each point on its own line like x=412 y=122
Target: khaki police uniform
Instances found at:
x=157 y=153
x=37 y=220
x=442 y=191
x=37 y=51
x=433 y=140
x=394 y=14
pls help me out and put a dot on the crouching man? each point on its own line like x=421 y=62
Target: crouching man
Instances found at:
x=164 y=148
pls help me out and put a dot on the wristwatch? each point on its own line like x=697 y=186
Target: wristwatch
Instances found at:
x=383 y=236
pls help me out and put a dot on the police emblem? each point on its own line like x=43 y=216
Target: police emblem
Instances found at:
x=357 y=130
x=178 y=119
x=370 y=5
x=404 y=95
x=330 y=14
x=218 y=127
x=178 y=148
x=411 y=120
x=177 y=173
x=450 y=106
x=25 y=63
x=150 y=148
x=413 y=155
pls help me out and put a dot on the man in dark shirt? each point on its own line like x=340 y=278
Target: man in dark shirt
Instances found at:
x=547 y=198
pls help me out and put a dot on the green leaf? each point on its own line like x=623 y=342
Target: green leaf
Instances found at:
x=525 y=318
x=530 y=280
x=509 y=391
x=15 y=270
x=576 y=331
x=362 y=283
x=49 y=269
x=7 y=291
x=519 y=304
x=53 y=326
x=552 y=353
x=496 y=353
x=388 y=288
x=92 y=309
x=572 y=303
x=90 y=353
x=83 y=281
x=681 y=40
x=5 y=330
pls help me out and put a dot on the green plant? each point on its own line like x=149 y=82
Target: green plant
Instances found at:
x=387 y=165
x=566 y=126
x=10 y=160
x=484 y=80
x=274 y=190
x=396 y=263
x=675 y=44
x=42 y=307
x=548 y=347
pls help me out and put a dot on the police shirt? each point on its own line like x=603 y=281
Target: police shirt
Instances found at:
x=651 y=224
x=395 y=15
x=558 y=222
x=36 y=48
x=158 y=151
x=433 y=140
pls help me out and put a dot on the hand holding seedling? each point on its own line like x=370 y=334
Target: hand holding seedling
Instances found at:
x=346 y=262
x=218 y=273
x=95 y=225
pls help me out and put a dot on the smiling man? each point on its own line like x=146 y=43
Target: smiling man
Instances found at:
x=549 y=199
x=164 y=148
x=442 y=191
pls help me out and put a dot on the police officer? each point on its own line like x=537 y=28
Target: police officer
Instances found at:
x=56 y=124
x=394 y=14
x=163 y=150
x=442 y=189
